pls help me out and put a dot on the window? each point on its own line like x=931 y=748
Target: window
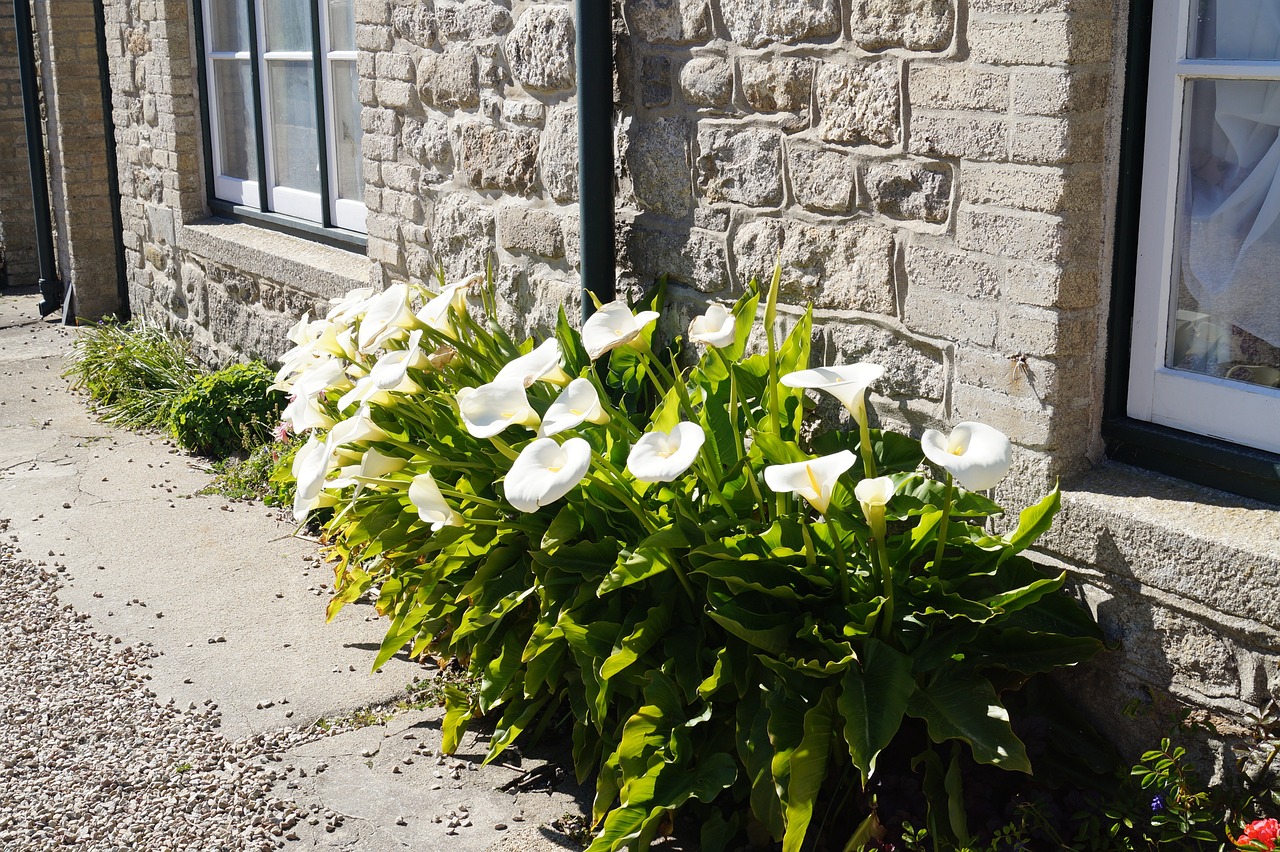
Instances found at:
x=283 y=108
x=1205 y=347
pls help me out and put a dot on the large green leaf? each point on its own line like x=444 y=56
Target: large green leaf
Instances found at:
x=640 y=564
x=808 y=769
x=457 y=712
x=957 y=706
x=645 y=635
x=1033 y=521
x=755 y=751
x=1025 y=652
x=873 y=698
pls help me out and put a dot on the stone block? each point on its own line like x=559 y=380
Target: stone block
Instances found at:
x=540 y=49
x=909 y=189
x=1040 y=189
x=1035 y=330
x=530 y=230
x=393 y=94
x=740 y=164
x=910 y=24
x=941 y=313
x=1051 y=285
x=959 y=87
x=415 y=24
x=522 y=112
x=394 y=66
x=842 y=267
x=461 y=235
x=1026 y=378
x=707 y=81
x=491 y=65
x=939 y=267
x=658 y=160
x=669 y=21
x=655 y=81
x=755 y=24
x=1061 y=139
x=784 y=84
x=1052 y=91
x=914 y=369
x=1010 y=233
x=692 y=257
x=1038 y=7
x=970 y=136
x=428 y=143
x=822 y=178
x=859 y=103
x=450 y=79
x=472 y=20
x=1040 y=40
x=371 y=38
x=1026 y=422
x=492 y=157
x=558 y=153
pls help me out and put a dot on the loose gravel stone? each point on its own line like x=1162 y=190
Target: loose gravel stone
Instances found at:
x=92 y=761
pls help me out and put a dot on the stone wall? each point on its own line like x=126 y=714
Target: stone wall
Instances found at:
x=17 y=221
x=930 y=176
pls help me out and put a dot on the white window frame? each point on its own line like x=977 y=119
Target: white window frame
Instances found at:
x=348 y=214
x=1206 y=405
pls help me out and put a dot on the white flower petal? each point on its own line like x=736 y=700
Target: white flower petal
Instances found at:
x=542 y=364
x=310 y=467
x=388 y=313
x=977 y=455
x=489 y=409
x=716 y=328
x=305 y=413
x=663 y=456
x=577 y=403
x=432 y=508
x=814 y=479
x=612 y=326
x=356 y=429
x=546 y=471
x=847 y=383
x=874 y=492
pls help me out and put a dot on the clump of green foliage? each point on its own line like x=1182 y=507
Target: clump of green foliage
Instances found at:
x=134 y=371
x=226 y=412
x=261 y=475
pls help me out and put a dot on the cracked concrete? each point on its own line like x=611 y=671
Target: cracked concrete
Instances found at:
x=235 y=607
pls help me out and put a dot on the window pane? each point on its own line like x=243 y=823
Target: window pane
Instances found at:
x=1236 y=29
x=293 y=125
x=228 y=25
x=288 y=24
x=233 y=114
x=1226 y=310
x=346 y=130
x=342 y=25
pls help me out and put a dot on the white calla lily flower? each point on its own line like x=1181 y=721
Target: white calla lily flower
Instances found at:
x=372 y=466
x=977 y=455
x=304 y=413
x=432 y=508
x=358 y=428
x=847 y=383
x=435 y=313
x=387 y=316
x=310 y=467
x=389 y=375
x=349 y=306
x=546 y=471
x=814 y=480
x=578 y=403
x=543 y=364
x=663 y=456
x=716 y=328
x=873 y=495
x=491 y=408
x=612 y=326
x=300 y=332
x=324 y=376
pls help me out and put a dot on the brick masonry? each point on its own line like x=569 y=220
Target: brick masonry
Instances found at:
x=17 y=223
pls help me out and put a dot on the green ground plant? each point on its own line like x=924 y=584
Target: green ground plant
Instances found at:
x=736 y=623
x=229 y=411
x=264 y=474
x=134 y=372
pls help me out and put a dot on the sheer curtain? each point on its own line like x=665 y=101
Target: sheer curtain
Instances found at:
x=1231 y=230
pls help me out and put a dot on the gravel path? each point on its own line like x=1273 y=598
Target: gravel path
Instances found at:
x=90 y=760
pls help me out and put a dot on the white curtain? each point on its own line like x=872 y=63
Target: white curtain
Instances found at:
x=1231 y=242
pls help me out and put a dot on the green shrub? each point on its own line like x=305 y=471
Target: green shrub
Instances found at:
x=228 y=411
x=135 y=372
x=262 y=475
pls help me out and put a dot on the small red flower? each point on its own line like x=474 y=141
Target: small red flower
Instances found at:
x=1262 y=831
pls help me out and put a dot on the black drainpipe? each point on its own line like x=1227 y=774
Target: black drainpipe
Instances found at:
x=113 y=168
x=51 y=290
x=594 y=49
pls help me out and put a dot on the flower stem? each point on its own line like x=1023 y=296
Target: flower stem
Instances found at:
x=886 y=581
x=864 y=449
x=942 y=524
x=471 y=498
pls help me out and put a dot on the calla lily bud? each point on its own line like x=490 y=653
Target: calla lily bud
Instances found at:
x=432 y=508
x=663 y=456
x=543 y=364
x=546 y=471
x=578 y=403
x=873 y=495
x=716 y=328
x=612 y=326
x=977 y=455
x=310 y=467
x=491 y=408
x=814 y=480
x=847 y=383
